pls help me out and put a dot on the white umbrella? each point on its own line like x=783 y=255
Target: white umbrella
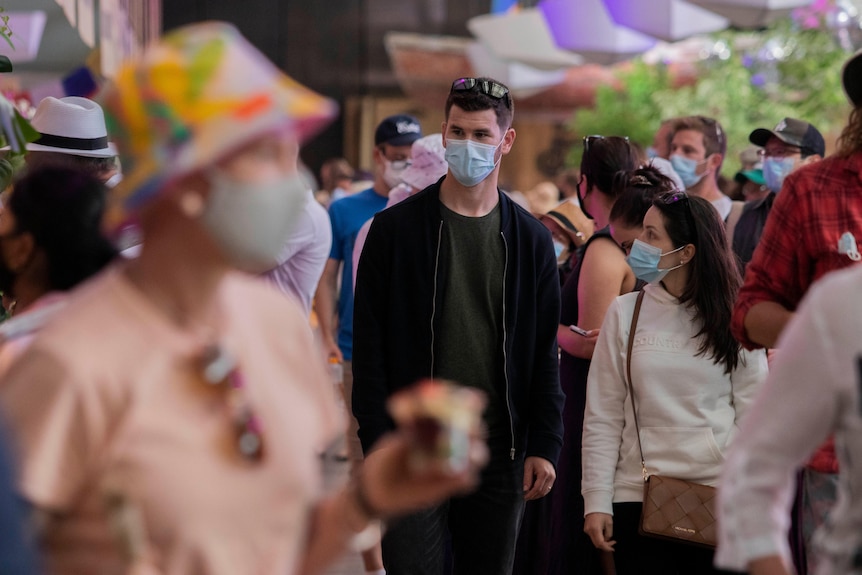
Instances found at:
x=586 y=27
x=750 y=13
x=522 y=36
x=669 y=20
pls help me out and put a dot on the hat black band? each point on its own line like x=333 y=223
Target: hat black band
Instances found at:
x=73 y=143
x=564 y=220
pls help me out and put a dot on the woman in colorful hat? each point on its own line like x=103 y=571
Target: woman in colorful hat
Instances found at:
x=170 y=421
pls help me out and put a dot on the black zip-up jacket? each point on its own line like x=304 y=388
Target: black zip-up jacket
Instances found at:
x=399 y=286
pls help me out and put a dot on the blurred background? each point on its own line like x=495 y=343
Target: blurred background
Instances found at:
x=576 y=67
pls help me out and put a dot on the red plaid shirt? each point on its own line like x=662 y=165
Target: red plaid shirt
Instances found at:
x=799 y=245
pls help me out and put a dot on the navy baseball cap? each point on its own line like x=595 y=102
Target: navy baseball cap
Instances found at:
x=794 y=132
x=398 y=130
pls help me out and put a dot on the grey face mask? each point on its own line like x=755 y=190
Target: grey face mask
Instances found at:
x=252 y=221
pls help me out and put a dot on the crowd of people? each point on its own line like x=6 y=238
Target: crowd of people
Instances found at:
x=177 y=286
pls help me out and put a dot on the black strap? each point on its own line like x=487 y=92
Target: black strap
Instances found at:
x=565 y=221
x=629 y=376
x=72 y=143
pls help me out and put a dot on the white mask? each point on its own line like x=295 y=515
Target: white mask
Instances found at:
x=252 y=221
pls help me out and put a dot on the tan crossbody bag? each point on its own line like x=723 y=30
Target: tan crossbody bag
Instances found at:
x=673 y=509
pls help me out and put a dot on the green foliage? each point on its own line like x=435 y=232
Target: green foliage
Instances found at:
x=744 y=90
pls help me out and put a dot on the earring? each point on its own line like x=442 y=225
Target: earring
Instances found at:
x=191 y=204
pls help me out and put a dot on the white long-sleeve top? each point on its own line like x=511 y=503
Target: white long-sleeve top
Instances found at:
x=813 y=390
x=688 y=407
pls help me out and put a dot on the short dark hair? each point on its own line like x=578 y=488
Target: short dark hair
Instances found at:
x=635 y=193
x=62 y=209
x=714 y=280
x=475 y=100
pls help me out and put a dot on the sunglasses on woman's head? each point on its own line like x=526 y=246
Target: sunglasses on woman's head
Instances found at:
x=674 y=197
x=590 y=140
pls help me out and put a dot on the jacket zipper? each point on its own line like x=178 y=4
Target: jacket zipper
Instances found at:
x=434 y=296
x=505 y=341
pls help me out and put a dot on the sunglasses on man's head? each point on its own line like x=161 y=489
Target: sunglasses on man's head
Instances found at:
x=487 y=87
x=719 y=134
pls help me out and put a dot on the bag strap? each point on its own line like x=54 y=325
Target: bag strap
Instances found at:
x=629 y=377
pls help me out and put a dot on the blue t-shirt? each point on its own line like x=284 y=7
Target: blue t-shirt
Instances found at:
x=347 y=216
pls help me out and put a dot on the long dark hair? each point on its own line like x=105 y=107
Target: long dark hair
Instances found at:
x=714 y=279
x=635 y=192
x=604 y=158
x=62 y=209
x=850 y=140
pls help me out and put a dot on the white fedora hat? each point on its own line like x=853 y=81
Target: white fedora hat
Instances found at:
x=71 y=125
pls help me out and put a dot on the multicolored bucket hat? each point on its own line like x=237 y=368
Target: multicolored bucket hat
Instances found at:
x=200 y=92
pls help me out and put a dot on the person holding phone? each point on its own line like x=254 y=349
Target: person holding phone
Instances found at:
x=600 y=275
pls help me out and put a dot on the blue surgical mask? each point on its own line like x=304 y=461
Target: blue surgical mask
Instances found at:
x=559 y=248
x=644 y=259
x=470 y=162
x=775 y=170
x=686 y=168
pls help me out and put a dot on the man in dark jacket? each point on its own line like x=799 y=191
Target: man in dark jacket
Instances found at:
x=460 y=283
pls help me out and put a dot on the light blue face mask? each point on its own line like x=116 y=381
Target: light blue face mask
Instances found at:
x=686 y=168
x=775 y=170
x=560 y=248
x=644 y=259
x=470 y=162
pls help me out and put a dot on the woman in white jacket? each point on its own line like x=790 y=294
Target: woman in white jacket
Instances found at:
x=693 y=383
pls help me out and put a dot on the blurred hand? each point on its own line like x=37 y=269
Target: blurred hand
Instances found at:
x=600 y=528
x=331 y=349
x=771 y=565
x=539 y=477
x=393 y=487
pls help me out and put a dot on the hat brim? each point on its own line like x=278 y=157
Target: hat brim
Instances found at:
x=760 y=136
x=851 y=79
x=578 y=237
x=108 y=152
x=752 y=175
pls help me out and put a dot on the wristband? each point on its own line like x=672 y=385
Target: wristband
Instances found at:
x=371 y=534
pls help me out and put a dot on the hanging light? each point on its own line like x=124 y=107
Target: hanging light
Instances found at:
x=586 y=27
x=751 y=13
x=668 y=20
x=522 y=36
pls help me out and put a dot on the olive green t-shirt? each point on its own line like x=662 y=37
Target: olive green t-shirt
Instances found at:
x=469 y=341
